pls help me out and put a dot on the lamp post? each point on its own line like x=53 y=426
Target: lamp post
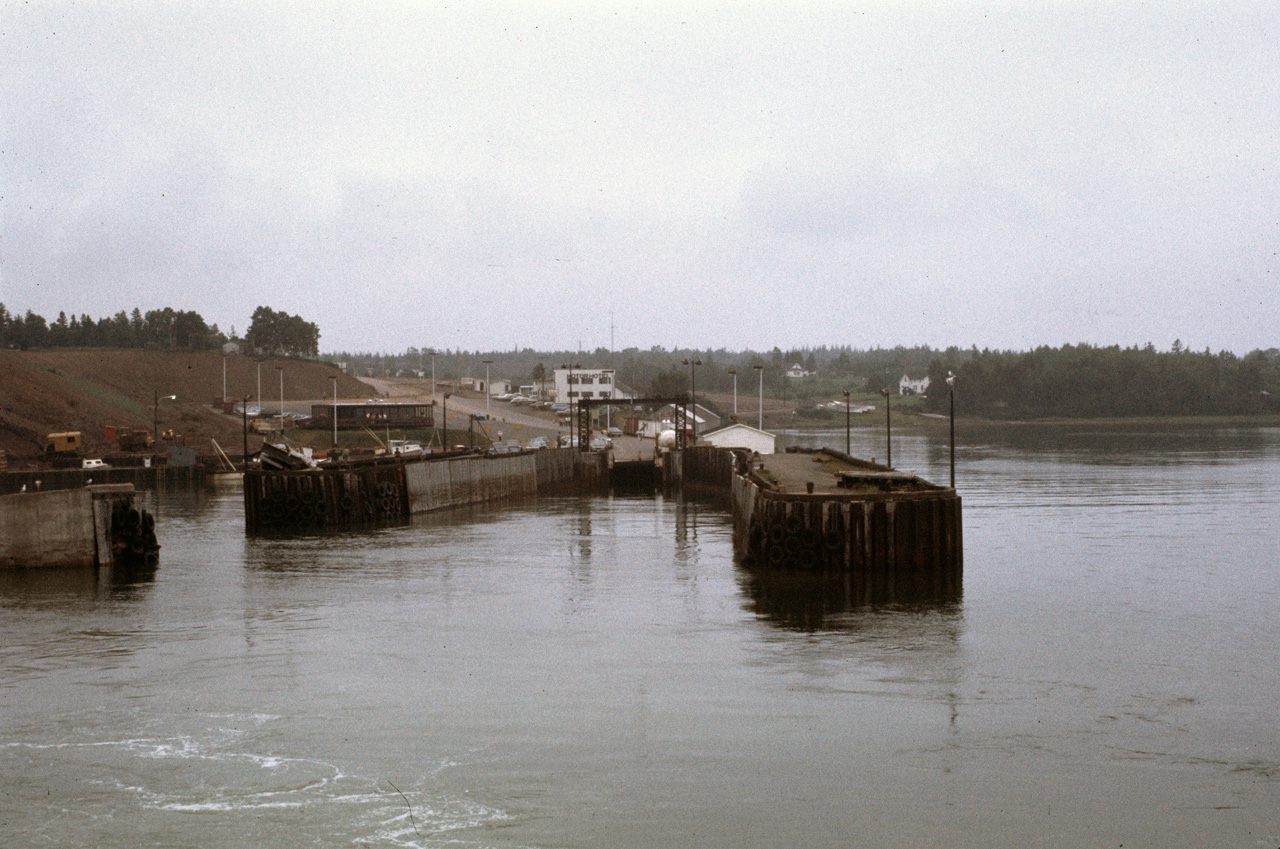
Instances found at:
x=847 y=445
x=487 y=393
x=760 y=371
x=734 y=372
x=693 y=394
x=155 y=412
x=281 y=370
x=433 y=372
x=568 y=394
x=888 y=431
x=444 y=422
x=259 y=386
x=224 y=378
x=951 y=395
x=244 y=432
x=573 y=422
x=334 y=378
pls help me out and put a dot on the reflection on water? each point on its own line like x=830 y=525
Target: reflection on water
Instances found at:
x=53 y=585
x=600 y=672
x=828 y=600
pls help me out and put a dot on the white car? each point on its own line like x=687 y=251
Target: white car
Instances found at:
x=93 y=464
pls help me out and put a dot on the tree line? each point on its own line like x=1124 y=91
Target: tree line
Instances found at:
x=270 y=332
x=1086 y=381
x=1068 y=381
x=164 y=328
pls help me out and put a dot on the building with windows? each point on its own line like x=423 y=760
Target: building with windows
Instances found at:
x=358 y=414
x=572 y=384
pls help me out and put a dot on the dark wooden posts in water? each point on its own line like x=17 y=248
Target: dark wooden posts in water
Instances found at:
x=892 y=544
x=304 y=500
x=896 y=536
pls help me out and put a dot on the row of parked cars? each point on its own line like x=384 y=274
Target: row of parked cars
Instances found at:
x=518 y=400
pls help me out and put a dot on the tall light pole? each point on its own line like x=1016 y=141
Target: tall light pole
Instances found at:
x=244 y=433
x=888 y=430
x=259 y=387
x=281 y=370
x=847 y=444
x=951 y=394
x=155 y=412
x=487 y=394
x=433 y=372
x=444 y=422
x=224 y=378
x=734 y=372
x=334 y=378
x=760 y=371
x=693 y=393
x=573 y=422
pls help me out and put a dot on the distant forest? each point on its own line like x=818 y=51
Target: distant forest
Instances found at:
x=1072 y=381
x=270 y=332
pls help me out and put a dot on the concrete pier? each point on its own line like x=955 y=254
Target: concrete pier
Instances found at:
x=88 y=526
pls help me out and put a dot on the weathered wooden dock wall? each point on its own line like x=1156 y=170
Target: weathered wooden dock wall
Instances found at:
x=312 y=499
x=389 y=491
x=88 y=526
x=706 y=466
x=892 y=545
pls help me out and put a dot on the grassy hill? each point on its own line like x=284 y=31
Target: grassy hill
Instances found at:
x=44 y=392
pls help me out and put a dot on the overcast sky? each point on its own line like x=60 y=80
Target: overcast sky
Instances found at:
x=487 y=176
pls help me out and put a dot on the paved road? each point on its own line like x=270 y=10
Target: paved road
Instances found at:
x=511 y=422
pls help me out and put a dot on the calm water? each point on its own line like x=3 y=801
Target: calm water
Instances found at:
x=597 y=672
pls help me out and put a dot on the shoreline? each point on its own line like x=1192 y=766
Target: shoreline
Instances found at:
x=933 y=422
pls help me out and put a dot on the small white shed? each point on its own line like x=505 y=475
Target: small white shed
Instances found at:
x=740 y=436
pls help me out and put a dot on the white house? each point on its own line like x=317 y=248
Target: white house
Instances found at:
x=740 y=436
x=798 y=370
x=500 y=387
x=576 y=384
x=907 y=386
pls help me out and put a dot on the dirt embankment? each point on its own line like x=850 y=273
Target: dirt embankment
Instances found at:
x=45 y=392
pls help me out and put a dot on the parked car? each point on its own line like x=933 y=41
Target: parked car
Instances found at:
x=601 y=443
x=614 y=432
x=93 y=464
x=538 y=443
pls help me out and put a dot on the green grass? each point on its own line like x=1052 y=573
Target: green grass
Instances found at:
x=101 y=393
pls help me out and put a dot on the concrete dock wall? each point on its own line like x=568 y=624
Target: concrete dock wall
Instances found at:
x=391 y=490
x=469 y=480
x=47 y=529
x=66 y=527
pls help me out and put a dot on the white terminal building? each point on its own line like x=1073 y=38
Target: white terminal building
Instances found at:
x=574 y=384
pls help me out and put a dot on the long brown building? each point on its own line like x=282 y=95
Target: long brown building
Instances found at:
x=352 y=415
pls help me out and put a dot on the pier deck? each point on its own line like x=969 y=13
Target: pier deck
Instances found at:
x=792 y=473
